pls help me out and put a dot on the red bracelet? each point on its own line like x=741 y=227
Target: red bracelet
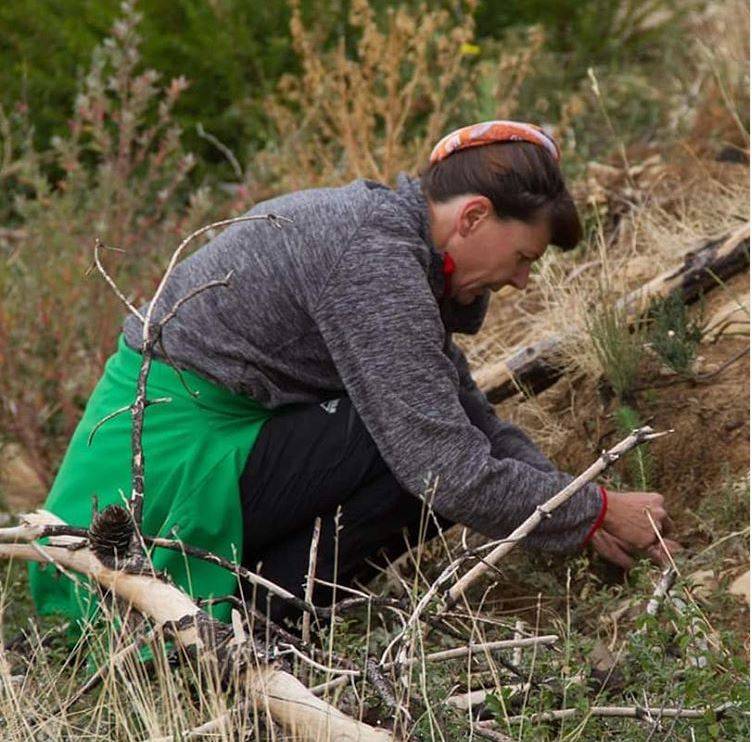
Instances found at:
x=601 y=516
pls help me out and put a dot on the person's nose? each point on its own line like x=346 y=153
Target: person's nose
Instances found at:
x=519 y=279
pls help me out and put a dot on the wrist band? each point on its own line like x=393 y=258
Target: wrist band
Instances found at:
x=601 y=516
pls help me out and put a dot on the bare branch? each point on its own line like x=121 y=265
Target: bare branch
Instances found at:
x=150 y=335
x=623 y=712
x=239 y=570
x=111 y=282
x=175 y=367
x=194 y=292
x=105 y=419
x=306 y=628
x=273 y=218
x=661 y=590
x=223 y=148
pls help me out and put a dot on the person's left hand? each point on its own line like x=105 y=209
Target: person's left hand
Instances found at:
x=621 y=553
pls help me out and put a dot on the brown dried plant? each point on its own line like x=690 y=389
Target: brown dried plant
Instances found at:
x=515 y=66
x=373 y=111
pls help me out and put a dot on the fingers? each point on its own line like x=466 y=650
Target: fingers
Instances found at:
x=613 y=549
x=620 y=552
x=660 y=553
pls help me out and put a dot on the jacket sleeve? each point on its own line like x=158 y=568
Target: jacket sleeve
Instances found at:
x=382 y=327
x=507 y=440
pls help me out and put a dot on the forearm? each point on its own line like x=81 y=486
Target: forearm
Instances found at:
x=507 y=440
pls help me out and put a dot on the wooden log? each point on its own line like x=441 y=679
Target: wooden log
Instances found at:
x=537 y=366
x=289 y=702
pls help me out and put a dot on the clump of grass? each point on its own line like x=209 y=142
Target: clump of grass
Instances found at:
x=618 y=347
x=672 y=334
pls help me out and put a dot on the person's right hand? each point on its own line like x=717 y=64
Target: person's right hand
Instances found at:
x=627 y=529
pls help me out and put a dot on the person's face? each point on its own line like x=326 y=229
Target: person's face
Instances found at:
x=490 y=253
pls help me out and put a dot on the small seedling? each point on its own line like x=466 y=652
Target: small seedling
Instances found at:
x=672 y=334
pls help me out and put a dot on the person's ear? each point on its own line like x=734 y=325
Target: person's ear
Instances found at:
x=474 y=213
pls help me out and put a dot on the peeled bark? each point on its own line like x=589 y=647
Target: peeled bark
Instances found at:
x=289 y=702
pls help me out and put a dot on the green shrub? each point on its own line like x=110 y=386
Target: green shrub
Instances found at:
x=231 y=52
x=672 y=334
x=123 y=179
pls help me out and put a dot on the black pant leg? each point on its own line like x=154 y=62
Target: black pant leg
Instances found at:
x=308 y=462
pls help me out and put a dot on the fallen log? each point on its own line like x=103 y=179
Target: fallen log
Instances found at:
x=537 y=366
x=288 y=701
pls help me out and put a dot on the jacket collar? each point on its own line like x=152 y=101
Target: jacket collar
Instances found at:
x=456 y=317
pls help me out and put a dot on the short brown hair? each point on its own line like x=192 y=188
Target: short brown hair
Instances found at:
x=522 y=181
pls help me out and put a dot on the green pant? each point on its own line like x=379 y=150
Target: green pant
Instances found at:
x=195 y=448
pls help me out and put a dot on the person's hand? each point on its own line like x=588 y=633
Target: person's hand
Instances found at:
x=627 y=529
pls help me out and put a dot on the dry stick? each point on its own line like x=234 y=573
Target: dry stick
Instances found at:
x=308 y=595
x=192 y=294
x=451 y=654
x=637 y=437
x=34 y=529
x=625 y=712
x=491 y=734
x=242 y=572
x=661 y=590
x=111 y=282
x=519 y=627
x=469 y=700
x=290 y=702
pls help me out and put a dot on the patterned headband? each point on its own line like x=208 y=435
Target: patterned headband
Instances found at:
x=489 y=132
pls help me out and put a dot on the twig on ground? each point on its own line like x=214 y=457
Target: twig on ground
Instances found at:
x=661 y=590
x=486 y=733
x=380 y=683
x=519 y=627
x=242 y=572
x=451 y=654
x=308 y=595
x=624 y=712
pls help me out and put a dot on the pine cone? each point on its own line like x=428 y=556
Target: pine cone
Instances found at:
x=110 y=533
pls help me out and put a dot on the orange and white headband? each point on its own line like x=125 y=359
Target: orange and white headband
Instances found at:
x=489 y=132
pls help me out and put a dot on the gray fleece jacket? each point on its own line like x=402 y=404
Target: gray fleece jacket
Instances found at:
x=348 y=299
